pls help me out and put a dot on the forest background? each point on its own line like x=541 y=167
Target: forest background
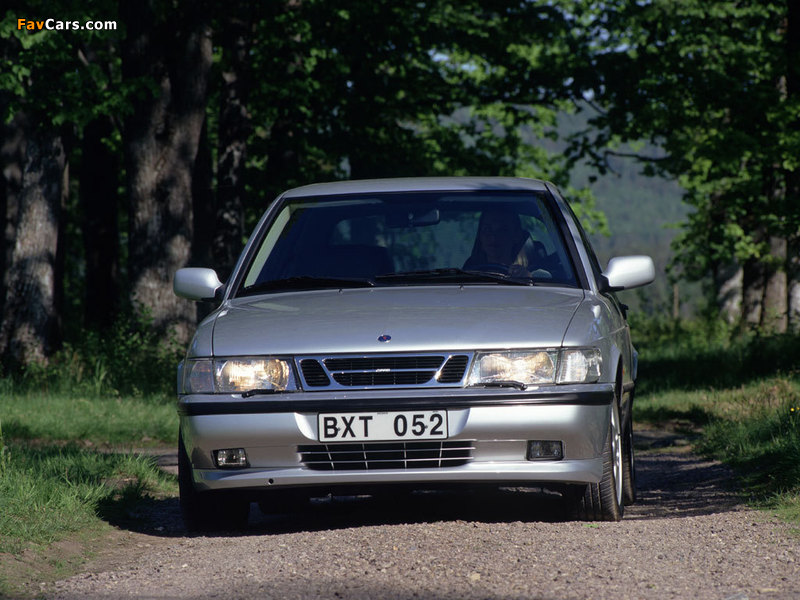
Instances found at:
x=155 y=141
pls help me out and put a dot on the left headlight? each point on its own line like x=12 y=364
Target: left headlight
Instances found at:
x=527 y=368
x=533 y=367
x=237 y=375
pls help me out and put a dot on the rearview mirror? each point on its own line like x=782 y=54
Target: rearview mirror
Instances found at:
x=626 y=272
x=195 y=283
x=413 y=217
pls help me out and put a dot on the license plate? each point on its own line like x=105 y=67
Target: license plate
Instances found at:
x=382 y=426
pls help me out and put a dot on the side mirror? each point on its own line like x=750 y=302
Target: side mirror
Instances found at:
x=195 y=283
x=625 y=272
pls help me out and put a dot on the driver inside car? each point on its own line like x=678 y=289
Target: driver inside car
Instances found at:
x=502 y=244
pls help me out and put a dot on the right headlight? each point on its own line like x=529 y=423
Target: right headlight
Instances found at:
x=237 y=375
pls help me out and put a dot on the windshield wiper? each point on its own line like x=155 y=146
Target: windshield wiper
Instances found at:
x=452 y=273
x=306 y=282
x=506 y=383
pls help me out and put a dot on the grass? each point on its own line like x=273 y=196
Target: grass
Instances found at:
x=89 y=419
x=741 y=396
x=66 y=471
x=48 y=492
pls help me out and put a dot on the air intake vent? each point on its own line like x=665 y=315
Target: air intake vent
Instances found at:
x=313 y=373
x=453 y=370
x=392 y=378
x=390 y=455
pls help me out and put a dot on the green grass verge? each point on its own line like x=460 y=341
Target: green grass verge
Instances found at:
x=48 y=492
x=66 y=472
x=108 y=420
x=753 y=427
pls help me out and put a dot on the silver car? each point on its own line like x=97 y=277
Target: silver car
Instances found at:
x=423 y=333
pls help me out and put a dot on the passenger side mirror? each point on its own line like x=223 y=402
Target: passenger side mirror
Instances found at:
x=626 y=272
x=195 y=283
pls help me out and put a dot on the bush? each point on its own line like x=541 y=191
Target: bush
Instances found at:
x=130 y=359
x=681 y=355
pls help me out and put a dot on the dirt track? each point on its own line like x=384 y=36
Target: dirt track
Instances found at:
x=688 y=537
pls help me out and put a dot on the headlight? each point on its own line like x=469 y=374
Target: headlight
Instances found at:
x=527 y=368
x=238 y=375
x=533 y=367
x=580 y=365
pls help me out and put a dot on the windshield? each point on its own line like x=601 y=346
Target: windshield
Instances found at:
x=482 y=238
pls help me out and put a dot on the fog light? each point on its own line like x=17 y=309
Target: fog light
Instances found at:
x=230 y=458
x=545 y=450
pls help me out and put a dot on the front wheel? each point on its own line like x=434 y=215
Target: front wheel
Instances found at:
x=603 y=501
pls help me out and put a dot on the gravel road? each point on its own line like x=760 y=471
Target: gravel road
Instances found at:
x=687 y=537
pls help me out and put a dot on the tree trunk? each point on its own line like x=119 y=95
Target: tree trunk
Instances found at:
x=100 y=207
x=753 y=282
x=12 y=164
x=728 y=288
x=160 y=144
x=30 y=319
x=203 y=203
x=774 y=314
x=793 y=177
x=234 y=129
x=794 y=288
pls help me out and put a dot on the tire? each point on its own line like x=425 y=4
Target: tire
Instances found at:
x=628 y=466
x=207 y=511
x=603 y=501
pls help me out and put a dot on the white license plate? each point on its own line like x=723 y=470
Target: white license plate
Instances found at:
x=382 y=426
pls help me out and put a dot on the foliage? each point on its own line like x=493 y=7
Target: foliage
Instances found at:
x=402 y=89
x=717 y=87
x=50 y=60
x=738 y=397
x=130 y=359
x=370 y=89
x=704 y=354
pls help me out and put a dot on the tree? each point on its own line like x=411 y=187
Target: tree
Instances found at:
x=167 y=51
x=715 y=85
x=33 y=64
x=296 y=91
x=30 y=315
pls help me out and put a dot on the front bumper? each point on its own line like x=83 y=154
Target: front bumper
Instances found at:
x=498 y=423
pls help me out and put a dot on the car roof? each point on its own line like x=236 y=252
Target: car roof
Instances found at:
x=418 y=184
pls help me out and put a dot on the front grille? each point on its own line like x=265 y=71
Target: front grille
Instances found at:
x=313 y=373
x=371 y=379
x=383 y=370
x=388 y=455
x=453 y=370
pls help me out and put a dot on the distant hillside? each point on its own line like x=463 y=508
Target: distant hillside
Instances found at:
x=643 y=216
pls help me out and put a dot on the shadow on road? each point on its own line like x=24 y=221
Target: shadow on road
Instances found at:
x=671 y=482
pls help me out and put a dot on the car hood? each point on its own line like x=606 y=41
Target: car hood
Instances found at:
x=416 y=318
